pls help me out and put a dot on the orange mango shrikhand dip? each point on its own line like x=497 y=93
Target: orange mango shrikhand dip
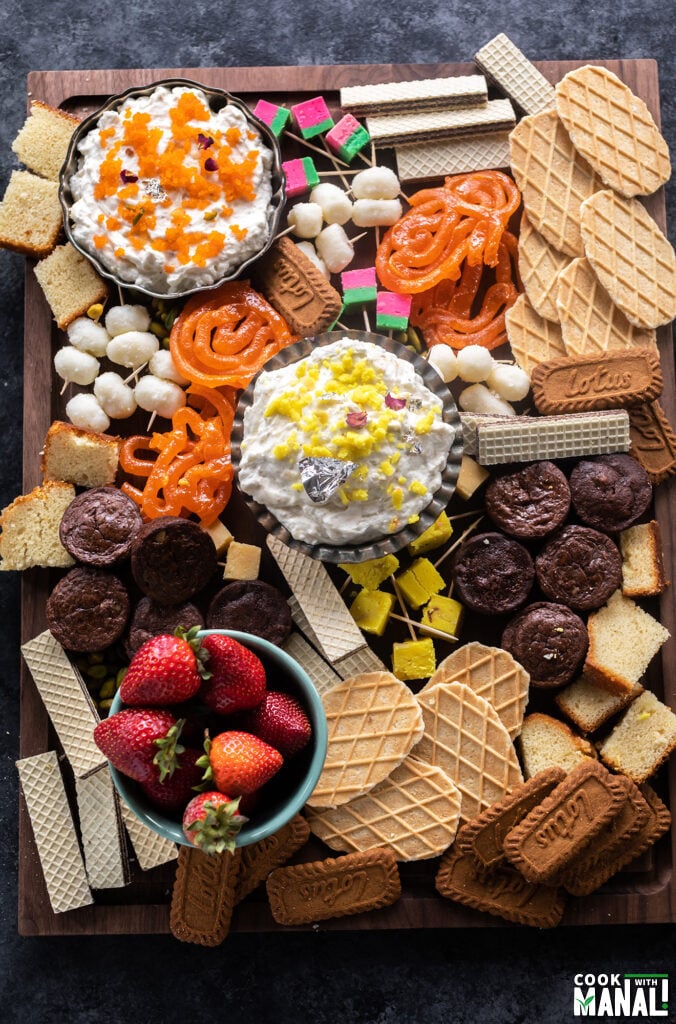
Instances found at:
x=169 y=194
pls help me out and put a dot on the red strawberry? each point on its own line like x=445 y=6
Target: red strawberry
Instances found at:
x=139 y=741
x=237 y=676
x=176 y=790
x=280 y=721
x=211 y=821
x=239 y=763
x=165 y=670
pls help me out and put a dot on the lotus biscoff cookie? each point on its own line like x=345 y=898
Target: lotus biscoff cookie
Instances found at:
x=259 y=859
x=297 y=289
x=203 y=896
x=614 y=380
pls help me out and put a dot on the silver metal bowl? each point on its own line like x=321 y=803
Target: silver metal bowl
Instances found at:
x=218 y=99
x=389 y=543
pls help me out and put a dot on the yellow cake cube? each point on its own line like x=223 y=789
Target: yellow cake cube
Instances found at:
x=371 y=610
x=372 y=573
x=220 y=535
x=444 y=614
x=420 y=582
x=243 y=561
x=470 y=478
x=433 y=537
x=414 y=659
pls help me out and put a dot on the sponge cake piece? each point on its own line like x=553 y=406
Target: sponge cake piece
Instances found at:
x=70 y=283
x=81 y=457
x=642 y=740
x=30 y=528
x=30 y=215
x=43 y=141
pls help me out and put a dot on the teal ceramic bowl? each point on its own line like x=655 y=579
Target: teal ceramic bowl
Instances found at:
x=289 y=789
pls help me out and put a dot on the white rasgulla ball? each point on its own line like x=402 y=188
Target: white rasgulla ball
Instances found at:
x=474 y=363
x=120 y=319
x=133 y=348
x=161 y=396
x=510 y=382
x=444 y=361
x=306 y=219
x=335 y=203
x=311 y=253
x=371 y=213
x=162 y=365
x=75 y=366
x=115 y=397
x=88 y=336
x=85 y=411
x=480 y=399
x=335 y=248
x=376 y=183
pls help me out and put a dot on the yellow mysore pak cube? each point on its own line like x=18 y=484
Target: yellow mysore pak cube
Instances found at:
x=444 y=614
x=371 y=610
x=414 y=659
x=420 y=582
x=433 y=537
x=470 y=478
x=372 y=573
x=220 y=535
x=243 y=562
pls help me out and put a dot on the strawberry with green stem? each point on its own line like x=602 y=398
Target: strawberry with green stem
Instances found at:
x=212 y=822
x=238 y=763
x=280 y=721
x=140 y=742
x=236 y=678
x=167 y=669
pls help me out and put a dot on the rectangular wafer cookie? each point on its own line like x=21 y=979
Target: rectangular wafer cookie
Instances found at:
x=260 y=858
x=393 y=129
x=532 y=438
x=203 y=896
x=452 y=156
x=68 y=704
x=103 y=842
x=336 y=887
x=151 y=849
x=511 y=70
x=321 y=674
x=425 y=94
x=319 y=599
x=54 y=831
x=363 y=660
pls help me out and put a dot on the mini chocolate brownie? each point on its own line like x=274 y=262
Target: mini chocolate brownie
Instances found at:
x=549 y=640
x=99 y=526
x=149 y=619
x=493 y=574
x=579 y=567
x=529 y=502
x=172 y=558
x=87 y=610
x=610 y=492
x=251 y=606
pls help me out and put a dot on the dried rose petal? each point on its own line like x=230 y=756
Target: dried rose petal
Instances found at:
x=356 y=419
x=128 y=177
x=210 y=164
x=394 y=403
x=204 y=141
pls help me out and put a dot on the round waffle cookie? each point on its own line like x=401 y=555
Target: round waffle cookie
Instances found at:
x=493 y=674
x=532 y=339
x=613 y=130
x=539 y=266
x=553 y=178
x=373 y=723
x=466 y=739
x=631 y=257
x=414 y=813
x=591 y=323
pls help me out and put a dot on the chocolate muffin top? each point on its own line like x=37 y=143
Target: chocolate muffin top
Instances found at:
x=579 y=567
x=493 y=574
x=251 y=606
x=610 y=492
x=549 y=640
x=99 y=526
x=87 y=610
x=172 y=558
x=149 y=619
x=531 y=501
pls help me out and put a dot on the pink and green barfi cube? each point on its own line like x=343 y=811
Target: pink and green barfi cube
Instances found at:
x=359 y=287
x=347 y=138
x=312 y=117
x=276 y=118
x=301 y=175
x=392 y=311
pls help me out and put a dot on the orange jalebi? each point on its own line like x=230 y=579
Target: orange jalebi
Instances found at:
x=443 y=313
x=463 y=220
x=225 y=336
x=192 y=472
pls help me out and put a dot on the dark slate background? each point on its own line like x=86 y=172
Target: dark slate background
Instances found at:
x=493 y=977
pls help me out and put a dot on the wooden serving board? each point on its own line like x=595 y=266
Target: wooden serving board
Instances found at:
x=645 y=894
